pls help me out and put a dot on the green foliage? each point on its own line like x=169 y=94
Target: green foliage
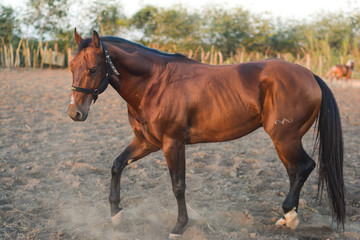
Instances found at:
x=333 y=27
x=227 y=30
x=145 y=20
x=286 y=38
x=46 y=16
x=230 y=34
x=7 y=24
x=168 y=27
x=107 y=17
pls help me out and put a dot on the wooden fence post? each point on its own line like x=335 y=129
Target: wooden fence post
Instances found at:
x=50 y=56
x=17 y=54
x=28 y=55
x=6 y=57
x=212 y=55
x=307 y=60
x=11 y=55
x=206 y=56
x=34 y=59
x=196 y=52
x=242 y=54
x=238 y=55
x=215 y=57
x=1 y=57
x=190 y=53
x=70 y=57
x=202 y=55
x=42 y=58
x=320 y=65
x=220 y=58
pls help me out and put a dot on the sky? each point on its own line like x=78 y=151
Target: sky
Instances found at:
x=285 y=9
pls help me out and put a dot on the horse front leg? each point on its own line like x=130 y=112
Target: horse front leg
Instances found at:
x=174 y=152
x=136 y=150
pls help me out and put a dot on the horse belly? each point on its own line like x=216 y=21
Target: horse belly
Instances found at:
x=222 y=126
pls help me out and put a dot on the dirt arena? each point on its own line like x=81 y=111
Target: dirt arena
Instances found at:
x=55 y=173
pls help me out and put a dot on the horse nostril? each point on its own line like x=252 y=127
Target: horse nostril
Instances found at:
x=78 y=116
x=75 y=114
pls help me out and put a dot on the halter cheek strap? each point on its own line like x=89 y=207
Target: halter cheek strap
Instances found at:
x=108 y=61
x=104 y=83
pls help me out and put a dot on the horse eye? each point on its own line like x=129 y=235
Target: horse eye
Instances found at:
x=92 y=71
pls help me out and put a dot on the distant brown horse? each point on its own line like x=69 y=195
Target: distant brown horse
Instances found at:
x=341 y=71
x=174 y=101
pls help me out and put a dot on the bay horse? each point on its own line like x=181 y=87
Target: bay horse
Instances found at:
x=341 y=71
x=173 y=101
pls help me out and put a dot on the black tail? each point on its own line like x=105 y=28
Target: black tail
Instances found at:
x=329 y=138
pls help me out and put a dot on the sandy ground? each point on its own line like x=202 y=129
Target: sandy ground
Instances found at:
x=55 y=173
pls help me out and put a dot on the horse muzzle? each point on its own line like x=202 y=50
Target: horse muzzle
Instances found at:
x=76 y=114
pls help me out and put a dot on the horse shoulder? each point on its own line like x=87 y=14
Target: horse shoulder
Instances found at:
x=162 y=110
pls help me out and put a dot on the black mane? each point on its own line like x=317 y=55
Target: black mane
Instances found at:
x=86 y=42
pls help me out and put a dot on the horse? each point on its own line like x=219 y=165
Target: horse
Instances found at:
x=341 y=71
x=173 y=101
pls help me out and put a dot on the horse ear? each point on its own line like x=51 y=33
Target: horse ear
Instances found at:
x=96 y=39
x=78 y=38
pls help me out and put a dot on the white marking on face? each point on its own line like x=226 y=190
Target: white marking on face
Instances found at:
x=72 y=100
x=284 y=120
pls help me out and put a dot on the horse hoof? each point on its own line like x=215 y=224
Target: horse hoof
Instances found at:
x=293 y=224
x=281 y=222
x=173 y=236
x=116 y=219
x=290 y=220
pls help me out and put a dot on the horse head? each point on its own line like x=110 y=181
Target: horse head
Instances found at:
x=350 y=64
x=90 y=75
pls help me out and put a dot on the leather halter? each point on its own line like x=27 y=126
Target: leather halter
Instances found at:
x=103 y=85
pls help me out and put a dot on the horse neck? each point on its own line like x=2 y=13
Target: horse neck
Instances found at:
x=135 y=67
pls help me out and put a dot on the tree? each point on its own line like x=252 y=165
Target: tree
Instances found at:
x=145 y=20
x=7 y=24
x=262 y=29
x=226 y=29
x=286 y=38
x=333 y=27
x=46 y=16
x=107 y=17
x=168 y=27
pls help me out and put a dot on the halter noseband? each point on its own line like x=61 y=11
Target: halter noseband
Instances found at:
x=103 y=85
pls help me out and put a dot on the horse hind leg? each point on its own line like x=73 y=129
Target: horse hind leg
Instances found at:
x=299 y=165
